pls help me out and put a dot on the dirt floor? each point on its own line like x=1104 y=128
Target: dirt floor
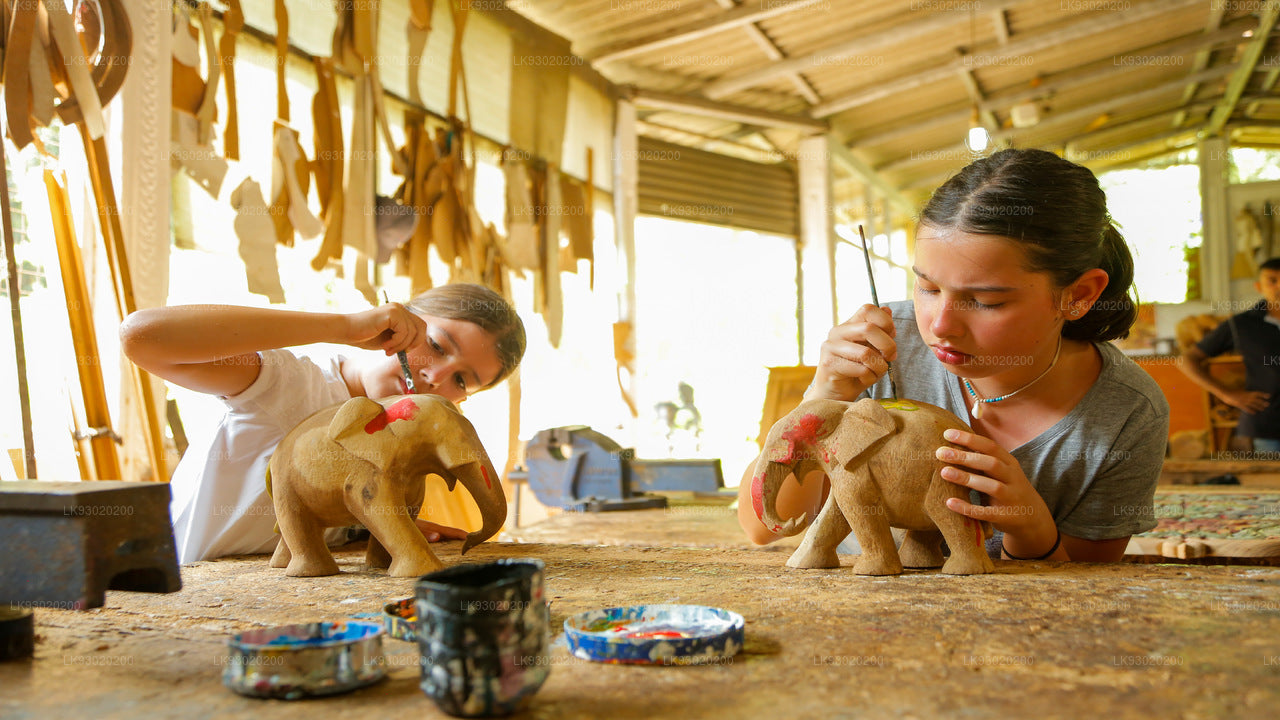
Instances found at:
x=1038 y=640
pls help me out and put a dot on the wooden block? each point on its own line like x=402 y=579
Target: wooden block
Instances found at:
x=1194 y=548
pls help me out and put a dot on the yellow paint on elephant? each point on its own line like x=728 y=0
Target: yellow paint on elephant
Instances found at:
x=899 y=405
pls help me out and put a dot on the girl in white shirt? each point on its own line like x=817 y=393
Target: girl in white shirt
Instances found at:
x=459 y=339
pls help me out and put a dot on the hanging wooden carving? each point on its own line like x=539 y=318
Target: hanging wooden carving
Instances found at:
x=81 y=84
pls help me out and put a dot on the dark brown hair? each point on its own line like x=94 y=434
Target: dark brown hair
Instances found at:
x=1057 y=212
x=479 y=305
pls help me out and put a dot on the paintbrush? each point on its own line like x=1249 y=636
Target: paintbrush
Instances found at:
x=871 y=278
x=404 y=361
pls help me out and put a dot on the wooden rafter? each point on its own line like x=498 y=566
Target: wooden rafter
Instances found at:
x=871 y=178
x=1080 y=30
x=727 y=111
x=865 y=44
x=1202 y=58
x=647 y=128
x=1075 y=115
x=753 y=11
x=1244 y=69
x=1060 y=81
x=1000 y=22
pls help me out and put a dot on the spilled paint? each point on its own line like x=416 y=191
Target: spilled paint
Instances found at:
x=405 y=409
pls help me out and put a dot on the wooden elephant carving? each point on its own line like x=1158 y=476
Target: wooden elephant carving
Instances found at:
x=879 y=456
x=366 y=461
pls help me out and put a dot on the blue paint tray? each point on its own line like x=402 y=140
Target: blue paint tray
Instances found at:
x=656 y=635
x=305 y=660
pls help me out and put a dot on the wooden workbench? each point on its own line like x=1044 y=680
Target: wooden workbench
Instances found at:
x=1039 y=640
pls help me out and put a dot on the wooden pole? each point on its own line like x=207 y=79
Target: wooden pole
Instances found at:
x=104 y=196
x=15 y=293
x=102 y=440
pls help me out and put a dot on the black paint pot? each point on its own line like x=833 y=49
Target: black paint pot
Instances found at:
x=482 y=632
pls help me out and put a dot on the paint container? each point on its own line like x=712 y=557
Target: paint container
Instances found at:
x=482 y=632
x=400 y=619
x=17 y=633
x=305 y=660
x=656 y=635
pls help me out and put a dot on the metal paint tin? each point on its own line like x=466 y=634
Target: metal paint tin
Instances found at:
x=17 y=633
x=305 y=660
x=400 y=619
x=482 y=633
x=656 y=635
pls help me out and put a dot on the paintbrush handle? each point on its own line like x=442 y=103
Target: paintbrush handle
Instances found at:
x=875 y=298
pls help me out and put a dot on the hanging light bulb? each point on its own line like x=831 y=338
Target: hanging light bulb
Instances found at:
x=978 y=138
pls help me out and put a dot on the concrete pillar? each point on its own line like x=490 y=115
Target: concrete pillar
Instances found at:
x=1215 y=250
x=817 y=297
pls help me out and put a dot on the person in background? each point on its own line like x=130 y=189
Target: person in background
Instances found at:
x=1255 y=335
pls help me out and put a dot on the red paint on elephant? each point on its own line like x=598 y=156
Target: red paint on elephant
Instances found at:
x=757 y=495
x=806 y=431
x=757 y=499
x=485 y=473
x=405 y=409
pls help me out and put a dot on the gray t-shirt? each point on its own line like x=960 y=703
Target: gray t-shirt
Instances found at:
x=1097 y=467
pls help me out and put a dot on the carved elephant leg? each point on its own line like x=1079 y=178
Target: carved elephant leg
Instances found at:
x=301 y=537
x=964 y=535
x=381 y=508
x=818 y=549
x=280 y=558
x=376 y=556
x=864 y=509
x=921 y=549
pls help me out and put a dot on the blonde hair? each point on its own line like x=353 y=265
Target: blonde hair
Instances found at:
x=483 y=307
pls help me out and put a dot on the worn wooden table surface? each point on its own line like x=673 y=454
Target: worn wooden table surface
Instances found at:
x=1038 y=640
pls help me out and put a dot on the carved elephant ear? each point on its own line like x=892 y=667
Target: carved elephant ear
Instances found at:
x=866 y=423
x=355 y=429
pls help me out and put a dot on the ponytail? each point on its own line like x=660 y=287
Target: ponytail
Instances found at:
x=1114 y=312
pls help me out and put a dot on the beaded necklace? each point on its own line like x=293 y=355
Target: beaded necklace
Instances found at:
x=979 y=401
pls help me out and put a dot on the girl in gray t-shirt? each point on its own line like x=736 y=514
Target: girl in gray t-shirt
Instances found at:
x=1021 y=278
